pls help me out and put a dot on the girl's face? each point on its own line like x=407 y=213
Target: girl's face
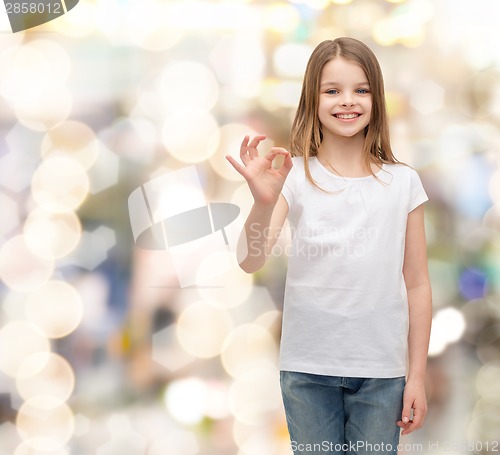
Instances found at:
x=345 y=101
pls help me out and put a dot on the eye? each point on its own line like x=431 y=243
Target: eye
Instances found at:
x=332 y=91
x=362 y=91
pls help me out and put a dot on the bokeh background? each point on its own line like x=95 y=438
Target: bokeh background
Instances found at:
x=101 y=351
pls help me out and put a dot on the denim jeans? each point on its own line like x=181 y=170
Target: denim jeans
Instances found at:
x=342 y=415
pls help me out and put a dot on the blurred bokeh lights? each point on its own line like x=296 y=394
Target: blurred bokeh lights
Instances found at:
x=101 y=350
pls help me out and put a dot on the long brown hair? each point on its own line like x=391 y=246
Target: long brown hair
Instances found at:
x=306 y=128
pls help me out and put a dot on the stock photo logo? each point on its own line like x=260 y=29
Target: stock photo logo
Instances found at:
x=25 y=14
x=170 y=212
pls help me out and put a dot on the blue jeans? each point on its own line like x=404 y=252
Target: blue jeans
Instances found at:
x=337 y=415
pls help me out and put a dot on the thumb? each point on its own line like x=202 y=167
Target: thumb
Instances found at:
x=406 y=414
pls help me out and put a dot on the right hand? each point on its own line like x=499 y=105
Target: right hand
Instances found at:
x=264 y=181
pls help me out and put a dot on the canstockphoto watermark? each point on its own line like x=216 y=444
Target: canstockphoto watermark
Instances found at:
x=354 y=446
x=318 y=240
x=25 y=14
x=382 y=447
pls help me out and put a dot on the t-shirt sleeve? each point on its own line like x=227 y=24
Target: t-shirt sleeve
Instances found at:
x=417 y=193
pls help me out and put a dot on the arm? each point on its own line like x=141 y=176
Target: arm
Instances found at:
x=270 y=208
x=418 y=288
x=262 y=229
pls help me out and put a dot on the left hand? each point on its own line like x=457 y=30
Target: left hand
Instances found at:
x=413 y=399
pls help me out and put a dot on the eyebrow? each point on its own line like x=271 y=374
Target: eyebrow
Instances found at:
x=336 y=83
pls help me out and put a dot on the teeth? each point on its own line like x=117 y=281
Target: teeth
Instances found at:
x=346 y=116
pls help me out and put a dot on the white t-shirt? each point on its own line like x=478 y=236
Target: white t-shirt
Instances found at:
x=346 y=309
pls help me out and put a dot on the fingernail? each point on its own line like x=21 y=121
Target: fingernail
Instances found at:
x=406 y=419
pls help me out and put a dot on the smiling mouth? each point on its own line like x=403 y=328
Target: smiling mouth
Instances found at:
x=346 y=116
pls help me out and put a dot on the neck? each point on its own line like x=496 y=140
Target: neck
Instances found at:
x=345 y=154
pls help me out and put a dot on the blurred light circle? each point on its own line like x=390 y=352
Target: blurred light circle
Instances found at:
x=145 y=25
x=13 y=305
x=270 y=320
x=185 y=400
x=175 y=442
x=402 y=26
x=201 y=329
x=476 y=241
x=188 y=85
x=473 y=283
x=255 y=396
x=22 y=339
x=242 y=197
x=482 y=433
x=79 y=24
x=276 y=94
x=290 y=60
x=476 y=314
x=248 y=347
x=58 y=58
x=221 y=270
x=216 y=268
x=191 y=135
x=484 y=425
x=27 y=73
x=56 y=308
x=317 y=4
x=264 y=438
x=494 y=188
x=10 y=214
x=488 y=380
x=452 y=322
x=26 y=448
x=44 y=423
x=45 y=374
x=74 y=139
x=488 y=344
x=45 y=110
x=60 y=184
x=133 y=138
x=52 y=235
x=448 y=326
x=484 y=93
x=283 y=18
x=217 y=406
x=20 y=268
x=30 y=70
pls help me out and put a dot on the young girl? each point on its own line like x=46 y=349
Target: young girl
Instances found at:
x=357 y=311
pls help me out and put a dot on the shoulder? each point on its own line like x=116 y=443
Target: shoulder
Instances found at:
x=401 y=171
x=298 y=169
x=408 y=182
x=399 y=168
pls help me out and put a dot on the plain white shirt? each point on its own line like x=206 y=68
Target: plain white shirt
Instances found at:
x=346 y=310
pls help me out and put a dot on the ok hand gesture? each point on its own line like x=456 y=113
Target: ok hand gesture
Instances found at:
x=264 y=181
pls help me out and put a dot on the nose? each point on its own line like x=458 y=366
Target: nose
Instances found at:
x=347 y=100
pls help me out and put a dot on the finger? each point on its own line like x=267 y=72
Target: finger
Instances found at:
x=406 y=414
x=415 y=424
x=252 y=146
x=410 y=428
x=274 y=161
x=287 y=165
x=403 y=425
x=239 y=168
x=418 y=417
x=244 y=150
x=276 y=151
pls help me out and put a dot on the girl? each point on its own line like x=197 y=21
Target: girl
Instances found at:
x=357 y=311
